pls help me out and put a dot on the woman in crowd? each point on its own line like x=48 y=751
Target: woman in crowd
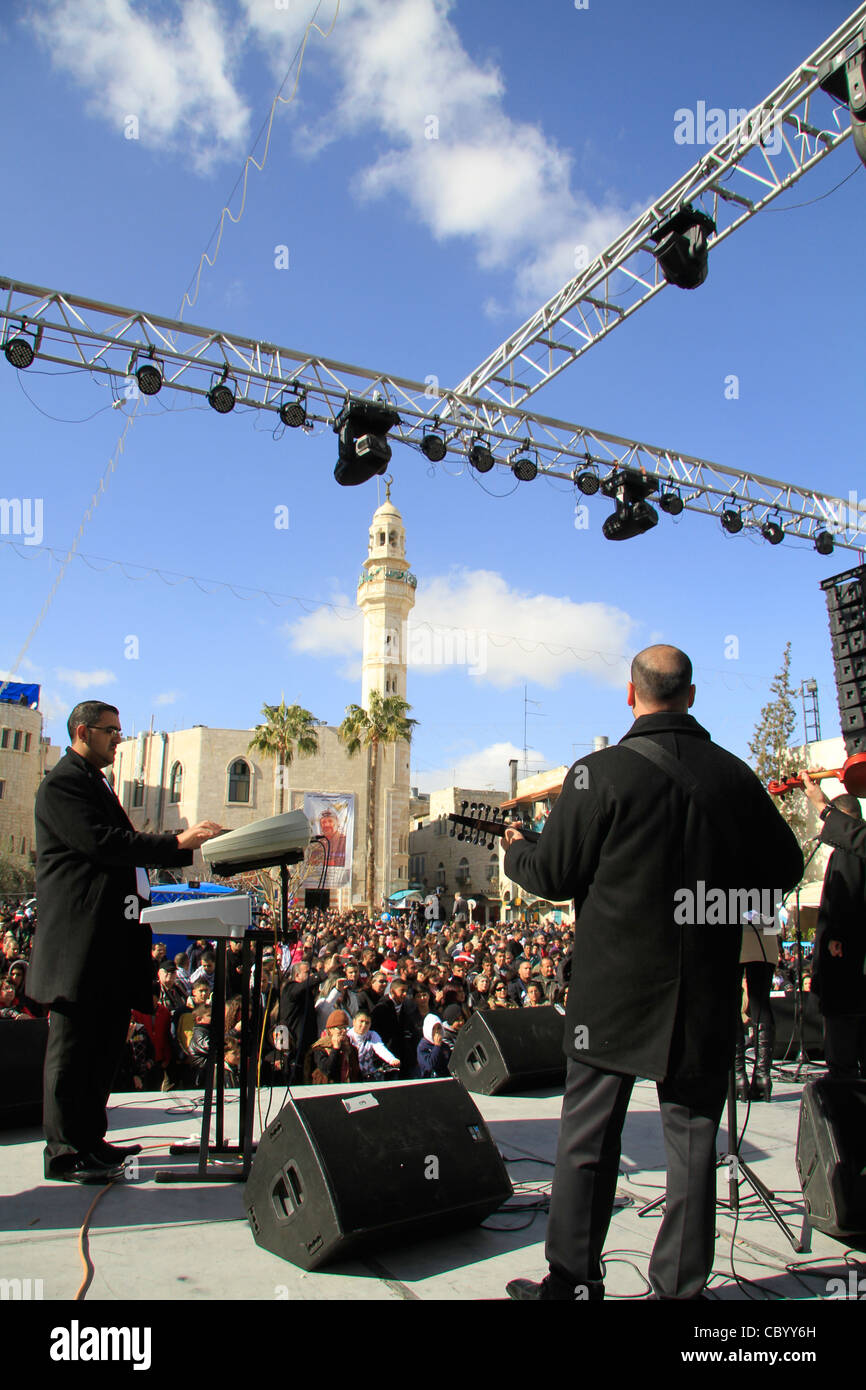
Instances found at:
x=433 y=1053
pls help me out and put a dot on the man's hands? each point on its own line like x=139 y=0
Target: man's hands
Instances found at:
x=512 y=834
x=197 y=834
x=813 y=792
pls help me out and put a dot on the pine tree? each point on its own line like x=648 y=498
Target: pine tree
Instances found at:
x=773 y=757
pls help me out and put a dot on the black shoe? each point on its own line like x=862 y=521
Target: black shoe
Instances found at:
x=86 y=1168
x=549 y=1290
x=115 y=1153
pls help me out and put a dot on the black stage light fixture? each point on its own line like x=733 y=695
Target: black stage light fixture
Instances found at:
x=362 y=427
x=433 y=447
x=772 y=532
x=843 y=77
x=587 y=481
x=633 y=515
x=480 y=457
x=149 y=379
x=221 y=397
x=681 y=247
x=18 y=351
x=824 y=543
x=524 y=467
x=732 y=521
x=293 y=413
x=671 y=502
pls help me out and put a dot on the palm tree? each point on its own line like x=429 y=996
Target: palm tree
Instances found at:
x=289 y=729
x=384 y=722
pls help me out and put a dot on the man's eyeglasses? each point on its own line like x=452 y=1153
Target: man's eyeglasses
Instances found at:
x=105 y=728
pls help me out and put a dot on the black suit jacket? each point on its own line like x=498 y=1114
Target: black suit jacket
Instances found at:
x=838 y=981
x=651 y=995
x=88 y=937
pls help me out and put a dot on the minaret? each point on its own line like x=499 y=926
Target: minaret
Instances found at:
x=386 y=596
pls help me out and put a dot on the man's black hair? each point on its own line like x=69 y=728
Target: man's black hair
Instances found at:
x=87 y=712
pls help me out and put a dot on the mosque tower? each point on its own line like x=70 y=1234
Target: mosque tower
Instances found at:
x=386 y=596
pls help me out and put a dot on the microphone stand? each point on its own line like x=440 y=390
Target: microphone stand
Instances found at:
x=798 y=1037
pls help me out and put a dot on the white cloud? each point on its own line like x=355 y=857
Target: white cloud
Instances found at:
x=480 y=769
x=170 y=697
x=173 y=74
x=513 y=637
x=404 y=73
x=84 y=680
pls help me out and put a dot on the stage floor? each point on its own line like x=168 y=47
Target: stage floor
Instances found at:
x=174 y=1243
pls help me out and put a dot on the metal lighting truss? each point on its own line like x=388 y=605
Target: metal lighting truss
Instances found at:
x=737 y=178
x=112 y=342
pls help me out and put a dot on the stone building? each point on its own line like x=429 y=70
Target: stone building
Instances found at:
x=25 y=757
x=440 y=860
x=168 y=781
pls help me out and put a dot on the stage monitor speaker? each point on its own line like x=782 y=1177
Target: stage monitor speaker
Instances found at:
x=340 y=1173
x=831 y=1156
x=317 y=899
x=783 y=1006
x=22 y=1062
x=510 y=1050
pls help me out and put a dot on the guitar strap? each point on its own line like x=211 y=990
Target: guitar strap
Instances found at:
x=666 y=762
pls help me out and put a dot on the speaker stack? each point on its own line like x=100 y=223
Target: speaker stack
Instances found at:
x=831 y=1157
x=846 y=608
x=501 y=1050
x=337 y=1174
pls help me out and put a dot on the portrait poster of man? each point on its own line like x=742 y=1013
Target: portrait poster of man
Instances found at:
x=333 y=817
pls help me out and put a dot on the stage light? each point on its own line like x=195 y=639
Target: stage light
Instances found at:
x=524 y=467
x=480 y=457
x=732 y=521
x=433 y=447
x=149 y=379
x=220 y=397
x=587 y=481
x=633 y=515
x=681 y=247
x=630 y=519
x=772 y=532
x=824 y=543
x=671 y=502
x=843 y=77
x=18 y=351
x=293 y=413
x=362 y=427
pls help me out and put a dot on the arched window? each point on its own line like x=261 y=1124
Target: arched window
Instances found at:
x=493 y=870
x=239 y=781
x=440 y=876
x=381 y=537
x=175 y=786
x=463 y=871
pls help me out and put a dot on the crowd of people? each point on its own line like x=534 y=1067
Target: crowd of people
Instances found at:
x=345 y=998
x=349 y=998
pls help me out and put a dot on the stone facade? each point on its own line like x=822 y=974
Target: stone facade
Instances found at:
x=439 y=860
x=25 y=757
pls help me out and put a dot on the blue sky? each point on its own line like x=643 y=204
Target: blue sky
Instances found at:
x=554 y=124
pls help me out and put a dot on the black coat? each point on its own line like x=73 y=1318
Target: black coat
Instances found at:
x=838 y=981
x=649 y=996
x=89 y=938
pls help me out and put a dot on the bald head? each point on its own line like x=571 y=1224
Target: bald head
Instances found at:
x=661 y=679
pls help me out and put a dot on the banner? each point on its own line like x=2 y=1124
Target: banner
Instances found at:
x=333 y=817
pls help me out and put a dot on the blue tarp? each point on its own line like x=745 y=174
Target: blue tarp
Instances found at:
x=16 y=694
x=177 y=893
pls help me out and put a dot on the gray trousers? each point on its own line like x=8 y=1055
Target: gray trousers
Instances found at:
x=587 y=1164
